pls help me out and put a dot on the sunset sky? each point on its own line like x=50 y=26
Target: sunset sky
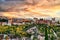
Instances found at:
x=30 y=8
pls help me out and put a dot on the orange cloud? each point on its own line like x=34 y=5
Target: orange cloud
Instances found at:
x=43 y=8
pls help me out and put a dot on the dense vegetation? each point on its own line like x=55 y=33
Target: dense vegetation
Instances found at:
x=20 y=31
x=16 y=30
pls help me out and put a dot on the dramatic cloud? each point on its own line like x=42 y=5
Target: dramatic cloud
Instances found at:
x=30 y=8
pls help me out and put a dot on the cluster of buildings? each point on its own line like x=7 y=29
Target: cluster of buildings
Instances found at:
x=21 y=21
x=14 y=21
x=45 y=21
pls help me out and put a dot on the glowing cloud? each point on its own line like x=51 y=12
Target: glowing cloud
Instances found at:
x=32 y=8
